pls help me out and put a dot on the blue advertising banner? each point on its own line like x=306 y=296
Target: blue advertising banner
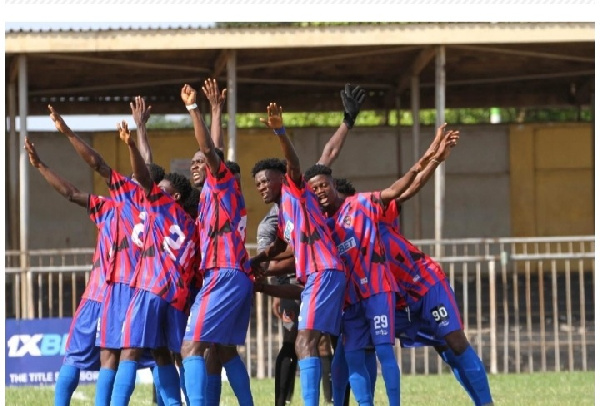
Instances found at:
x=35 y=350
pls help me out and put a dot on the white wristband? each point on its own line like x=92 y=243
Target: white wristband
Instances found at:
x=191 y=107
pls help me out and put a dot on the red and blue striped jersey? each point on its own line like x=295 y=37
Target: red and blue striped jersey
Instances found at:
x=414 y=271
x=131 y=223
x=222 y=222
x=166 y=266
x=302 y=225
x=356 y=235
x=104 y=213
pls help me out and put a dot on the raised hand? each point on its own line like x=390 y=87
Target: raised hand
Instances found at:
x=188 y=94
x=211 y=91
x=124 y=133
x=34 y=159
x=140 y=113
x=274 y=118
x=352 y=98
x=449 y=141
x=58 y=121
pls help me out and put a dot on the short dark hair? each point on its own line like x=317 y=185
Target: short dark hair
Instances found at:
x=181 y=184
x=190 y=205
x=344 y=186
x=317 y=169
x=233 y=167
x=157 y=172
x=269 y=163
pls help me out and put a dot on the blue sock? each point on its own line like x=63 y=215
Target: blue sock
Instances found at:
x=213 y=390
x=371 y=362
x=195 y=379
x=360 y=383
x=310 y=376
x=182 y=384
x=68 y=379
x=166 y=380
x=239 y=380
x=390 y=372
x=450 y=359
x=104 y=386
x=159 y=399
x=339 y=375
x=473 y=375
x=124 y=383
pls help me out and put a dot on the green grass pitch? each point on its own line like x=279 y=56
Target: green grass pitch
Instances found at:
x=575 y=388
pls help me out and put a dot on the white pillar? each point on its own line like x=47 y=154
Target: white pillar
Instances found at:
x=24 y=188
x=231 y=105
x=13 y=171
x=440 y=106
x=415 y=106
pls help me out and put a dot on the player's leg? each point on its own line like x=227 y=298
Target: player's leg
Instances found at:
x=142 y=328
x=166 y=377
x=371 y=363
x=380 y=311
x=213 y=377
x=323 y=295
x=339 y=374
x=355 y=333
x=235 y=315
x=287 y=360
x=326 y=358
x=117 y=298
x=81 y=352
x=441 y=312
x=179 y=362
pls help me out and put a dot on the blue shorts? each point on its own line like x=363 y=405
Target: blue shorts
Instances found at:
x=221 y=312
x=116 y=302
x=321 y=302
x=152 y=322
x=369 y=322
x=80 y=349
x=429 y=320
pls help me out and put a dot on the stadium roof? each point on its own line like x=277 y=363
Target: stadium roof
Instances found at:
x=303 y=68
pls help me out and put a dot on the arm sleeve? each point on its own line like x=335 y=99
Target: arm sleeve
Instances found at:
x=222 y=180
x=268 y=229
x=123 y=189
x=100 y=208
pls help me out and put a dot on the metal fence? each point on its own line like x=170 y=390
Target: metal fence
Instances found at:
x=527 y=303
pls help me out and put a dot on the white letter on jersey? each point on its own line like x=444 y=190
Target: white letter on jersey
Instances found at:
x=138 y=230
x=169 y=244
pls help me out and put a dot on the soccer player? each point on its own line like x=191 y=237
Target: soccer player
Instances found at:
x=129 y=198
x=371 y=293
x=426 y=312
x=81 y=352
x=155 y=318
x=221 y=312
x=318 y=267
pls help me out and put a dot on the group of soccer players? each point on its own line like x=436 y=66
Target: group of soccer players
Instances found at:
x=172 y=282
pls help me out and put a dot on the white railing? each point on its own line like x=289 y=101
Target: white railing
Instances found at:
x=527 y=303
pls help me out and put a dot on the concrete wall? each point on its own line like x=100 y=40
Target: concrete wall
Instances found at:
x=54 y=222
x=501 y=181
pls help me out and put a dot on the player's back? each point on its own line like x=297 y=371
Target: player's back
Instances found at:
x=169 y=250
x=222 y=222
x=130 y=228
x=356 y=234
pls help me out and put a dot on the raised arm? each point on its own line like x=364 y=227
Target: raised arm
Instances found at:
x=89 y=155
x=216 y=99
x=141 y=114
x=188 y=95
x=447 y=140
x=62 y=186
x=140 y=170
x=352 y=98
x=274 y=121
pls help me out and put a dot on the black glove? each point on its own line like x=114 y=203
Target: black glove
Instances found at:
x=352 y=99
